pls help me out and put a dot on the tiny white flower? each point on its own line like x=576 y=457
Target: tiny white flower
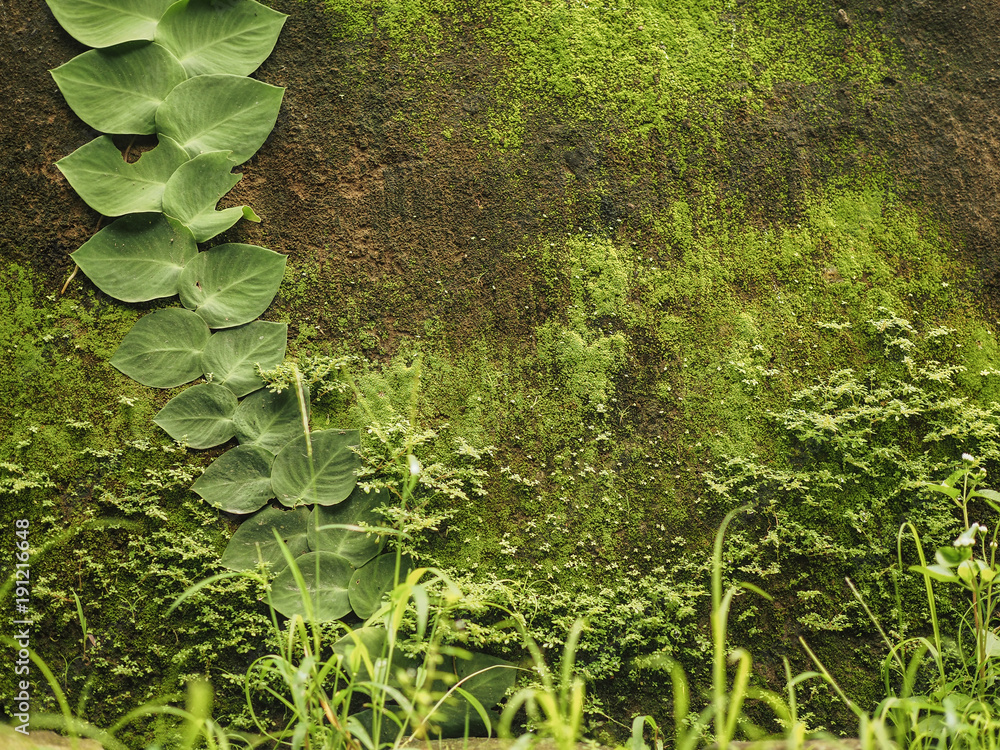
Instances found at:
x=968 y=457
x=968 y=537
x=414 y=464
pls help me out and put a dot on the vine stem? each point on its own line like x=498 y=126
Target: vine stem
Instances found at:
x=72 y=276
x=128 y=149
x=76 y=267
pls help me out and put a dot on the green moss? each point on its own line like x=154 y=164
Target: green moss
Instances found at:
x=413 y=27
x=599 y=282
x=657 y=368
x=624 y=373
x=48 y=387
x=114 y=492
x=636 y=67
x=650 y=65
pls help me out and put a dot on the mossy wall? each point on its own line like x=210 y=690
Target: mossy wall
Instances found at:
x=622 y=238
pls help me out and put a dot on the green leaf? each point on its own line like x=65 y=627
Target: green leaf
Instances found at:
x=464 y=715
x=372 y=641
x=103 y=23
x=231 y=355
x=163 y=349
x=360 y=643
x=992 y=643
x=211 y=37
x=937 y=572
x=211 y=222
x=992 y=497
x=201 y=416
x=491 y=685
x=370 y=583
x=458 y=715
x=220 y=113
x=326 y=576
x=232 y=284
x=238 y=481
x=119 y=90
x=967 y=571
x=270 y=420
x=138 y=257
x=112 y=186
x=326 y=477
x=755 y=589
x=952 y=556
x=254 y=539
x=471 y=694
x=357 y=546
x=943 y=489
x=194 y=189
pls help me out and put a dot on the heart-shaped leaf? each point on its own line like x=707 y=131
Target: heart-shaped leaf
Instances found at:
x=488 y=678
x=201 y=416
x=232 y=284
x=326 y=577
x=231 y=355
x=138 y=257
x=474 y=686
x=327 y=524
x=211 y=37
x=238 y=481
x=254 y=539
x=103 y=23
x=193 y=190
x=220 y=113
x=118 y=90
x=163 y=349
x=316 y=468
x=370 y=583
x=112 y=186
x=270 y=420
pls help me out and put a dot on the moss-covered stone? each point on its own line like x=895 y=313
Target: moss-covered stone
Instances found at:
x=624 y=241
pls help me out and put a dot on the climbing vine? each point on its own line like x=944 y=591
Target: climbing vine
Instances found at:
x=179 y=71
